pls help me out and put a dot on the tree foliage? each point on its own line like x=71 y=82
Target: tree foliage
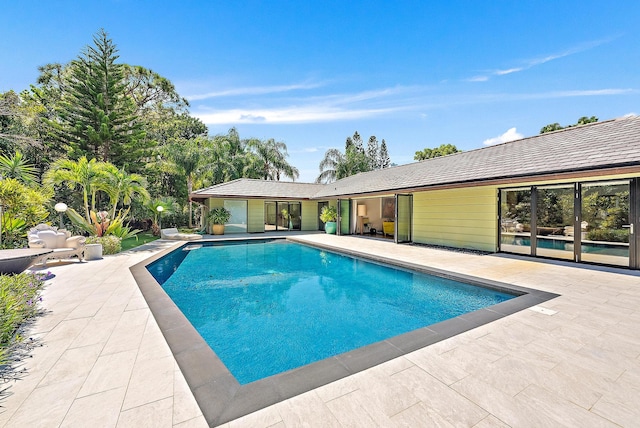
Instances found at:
x=268 y=159
x=17 y=167
x=96 y=117
x=90 y=177
x=23 y=206
x=337 y=165
x=556 y=126
x=441 y=150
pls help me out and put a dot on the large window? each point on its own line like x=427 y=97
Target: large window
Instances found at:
x=282 y=216
x=554 y=221
x=590 y=221
x=605 y=223
x=515 y=220
x=238 y=221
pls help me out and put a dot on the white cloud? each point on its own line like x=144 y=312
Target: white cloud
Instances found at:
x=322 y=108
x=306 y=150
x=539 y=61
x=510 y=135
x=290 y=114
x=253 y=90
x=478 y=79
x=582 y=93
x=508 y=71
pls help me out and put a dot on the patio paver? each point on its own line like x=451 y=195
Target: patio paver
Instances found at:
x=104 y=362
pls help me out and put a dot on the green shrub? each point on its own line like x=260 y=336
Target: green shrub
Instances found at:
x=19 y=297
x=110 y=244
x=608 y=235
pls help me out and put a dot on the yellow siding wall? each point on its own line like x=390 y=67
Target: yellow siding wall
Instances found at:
x=463 y=218
x=255 y=220
x=215 y=203
x=309 y=215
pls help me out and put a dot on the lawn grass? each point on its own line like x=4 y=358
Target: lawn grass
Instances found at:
x=139 y=239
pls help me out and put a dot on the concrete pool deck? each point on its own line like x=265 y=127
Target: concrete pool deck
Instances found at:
x=574 y=361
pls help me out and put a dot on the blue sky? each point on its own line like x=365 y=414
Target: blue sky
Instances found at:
x=416 y=73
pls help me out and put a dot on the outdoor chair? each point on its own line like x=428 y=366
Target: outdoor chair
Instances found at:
x=64 y=245
x=173 y=233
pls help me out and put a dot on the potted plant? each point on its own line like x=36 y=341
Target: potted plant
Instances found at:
x=328 y=216
x=218 y=217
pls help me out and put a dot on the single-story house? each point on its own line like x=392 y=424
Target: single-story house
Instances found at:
x=572 y=194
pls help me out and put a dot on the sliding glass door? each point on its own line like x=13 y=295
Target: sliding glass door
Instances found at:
x=280 y=216
x=404 y=208
x=344 y=214
x=554 y=221
x=515 y=220
x=593 y=222
x=605 y=223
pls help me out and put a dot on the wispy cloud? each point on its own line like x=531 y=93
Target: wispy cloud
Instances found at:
x=371 y=104
x=580 y=93
x=306 y=150
x=478 y=79
x=508 y=71
x=320 y=108
x=510 y=135
x=254 y=90
x=527 y=64
x=281 y=115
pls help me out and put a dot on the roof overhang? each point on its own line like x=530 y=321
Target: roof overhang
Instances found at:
x=500 y=181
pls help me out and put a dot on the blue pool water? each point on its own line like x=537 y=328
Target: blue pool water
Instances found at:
x=613 y=249
x=271 y=306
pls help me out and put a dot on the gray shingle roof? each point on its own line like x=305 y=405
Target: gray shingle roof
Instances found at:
x=599 y=145
x=250 y=188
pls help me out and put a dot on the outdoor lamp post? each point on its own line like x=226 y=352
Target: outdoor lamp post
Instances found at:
x=61 y=208
x=160 y=209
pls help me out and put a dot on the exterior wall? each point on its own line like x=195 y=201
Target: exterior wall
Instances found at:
x=215 y=203
x=467 y=217
x=255 y=216
x=462 y=218
x=309 y=215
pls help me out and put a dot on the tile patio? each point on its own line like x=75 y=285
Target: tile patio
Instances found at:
x=104 y=362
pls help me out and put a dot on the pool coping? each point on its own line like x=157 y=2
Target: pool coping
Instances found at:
x=222 y=399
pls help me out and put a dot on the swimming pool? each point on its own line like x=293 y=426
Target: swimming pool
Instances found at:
x=219 y=394
x=266 y=307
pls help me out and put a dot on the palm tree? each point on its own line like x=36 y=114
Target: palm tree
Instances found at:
x=188 y=157
x=123 y=185
x=270 y=158
x=17 y=167
x=227 y=158
x=168 y=204
x=87 y=175
x=333 y=162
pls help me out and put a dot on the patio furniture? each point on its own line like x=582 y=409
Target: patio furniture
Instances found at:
x=17 y=260
x=388 y=228
x=173 y=233
x=62 y=244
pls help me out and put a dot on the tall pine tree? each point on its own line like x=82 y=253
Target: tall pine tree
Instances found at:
x=384 y=161
x=96 y=117
x=372 y=152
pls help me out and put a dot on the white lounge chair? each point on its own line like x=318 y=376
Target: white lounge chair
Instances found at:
x=173 y=233
x=64 y=245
